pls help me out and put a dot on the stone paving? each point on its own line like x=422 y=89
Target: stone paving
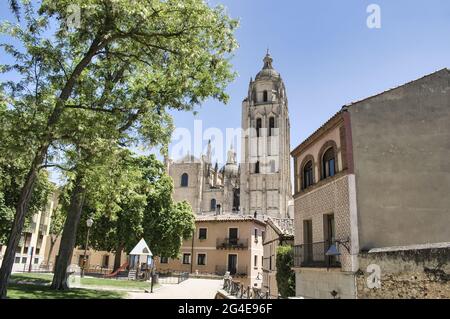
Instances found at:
x=190 y=289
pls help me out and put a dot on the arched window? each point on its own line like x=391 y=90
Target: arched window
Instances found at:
x=265 y=96
x=257 y=167
x=308 y=175
x=258 y=127
x=271 y=126
x=184 y=180
x=328 y=163
x=213 y=204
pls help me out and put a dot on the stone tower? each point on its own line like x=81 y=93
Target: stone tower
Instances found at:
x=265 y=169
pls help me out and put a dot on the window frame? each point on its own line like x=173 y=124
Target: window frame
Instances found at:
x=184 y=180
x=204 y=259
x=189 y=259
x=199 y=233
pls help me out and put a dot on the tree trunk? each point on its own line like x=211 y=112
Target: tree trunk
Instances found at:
x=19 y=219
x=69 y=234
x=118 y=257
x=52 y=245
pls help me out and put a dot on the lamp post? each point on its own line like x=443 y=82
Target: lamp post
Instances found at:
x=89 y=223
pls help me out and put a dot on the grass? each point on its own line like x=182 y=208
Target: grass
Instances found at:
x=36 y=286
x=34 y=291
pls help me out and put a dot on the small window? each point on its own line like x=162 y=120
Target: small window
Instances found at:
x=164 y=260
x=184 y=180
x=263 y=235
x=17 y=260
x=105 y=261
x=36 y=261
x=258 y=127
x=265 y=96
x=255 y=260
x=24 y=260
x=257 y=167
x=328 y=163
x=271 y=126
x=213 y=205
x=202 y=233
x=186 y=259
x=256 y=234
x=307 y=175
x=201 y=259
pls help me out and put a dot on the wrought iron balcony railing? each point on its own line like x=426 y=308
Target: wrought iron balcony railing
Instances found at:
x=313 y=255
x=231 y=243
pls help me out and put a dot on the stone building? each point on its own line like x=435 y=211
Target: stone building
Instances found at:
x=247 y=192
x=222 y=243
x=261 y=182
x=30 y=253
x=374 y=176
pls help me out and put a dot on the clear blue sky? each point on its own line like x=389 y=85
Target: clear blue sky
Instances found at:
x=326 y=54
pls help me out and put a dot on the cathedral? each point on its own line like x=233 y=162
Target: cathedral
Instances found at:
x=260 y=185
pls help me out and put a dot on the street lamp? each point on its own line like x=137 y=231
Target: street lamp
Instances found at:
x=89 y=223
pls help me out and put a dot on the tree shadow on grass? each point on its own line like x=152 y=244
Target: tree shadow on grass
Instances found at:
x=31 y=291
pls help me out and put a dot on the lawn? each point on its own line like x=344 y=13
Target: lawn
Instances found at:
x=36 y=286
x=34 y=291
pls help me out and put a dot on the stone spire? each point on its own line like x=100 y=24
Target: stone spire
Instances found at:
x=268 y=61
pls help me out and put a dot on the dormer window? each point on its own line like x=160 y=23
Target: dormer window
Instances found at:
x=265 y=96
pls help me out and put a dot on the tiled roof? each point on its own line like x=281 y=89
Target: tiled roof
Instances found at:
x=228 y=217
x=283 y=226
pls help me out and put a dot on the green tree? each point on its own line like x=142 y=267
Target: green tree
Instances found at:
x=285 y=275
x=180 y=46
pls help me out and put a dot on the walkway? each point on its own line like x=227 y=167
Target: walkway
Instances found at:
x=190 y=289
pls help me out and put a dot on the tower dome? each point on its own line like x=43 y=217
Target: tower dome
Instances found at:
x=267 y=71
x=231 y=167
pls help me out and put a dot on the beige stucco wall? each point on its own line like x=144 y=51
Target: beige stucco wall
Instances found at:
x=401 y=149
x=95 y=258
x=217 y=258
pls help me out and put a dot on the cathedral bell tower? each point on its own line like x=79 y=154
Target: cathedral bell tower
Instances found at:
x=265 y=170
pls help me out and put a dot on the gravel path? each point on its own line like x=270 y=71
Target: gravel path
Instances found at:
x=190 y=289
